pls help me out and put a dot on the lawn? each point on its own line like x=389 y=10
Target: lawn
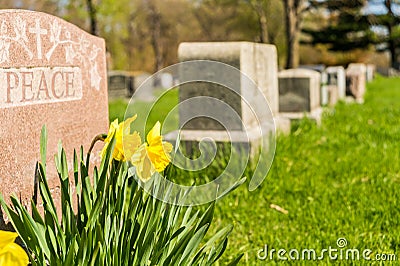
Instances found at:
x=339 y=180
x=148 y=113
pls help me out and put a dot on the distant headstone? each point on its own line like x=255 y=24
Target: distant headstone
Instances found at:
x=299 y=93
x=166 y=80
x=356 y=81
x=327 y=97
x=319 y=68
x=325 y=93
x=51 y=73
x=144 y=91
x=370 y=72
x=256 y=62
x=120 y=84
x=337 y=80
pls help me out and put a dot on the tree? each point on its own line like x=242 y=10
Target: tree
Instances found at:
x=348 y=27
x=390 y=21
x=154 y=22
x=92 y=16
x=294 y=11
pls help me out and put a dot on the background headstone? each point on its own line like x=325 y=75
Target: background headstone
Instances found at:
x=337 y=79
x=319 y=68
x=166 y=80
x=299 y=93
x=258 y=62
x=120 y=84
x=356 y=81
x=52 y=73
x=326 y=96
x=299 y=90
x=370 y=72
x=144 y=91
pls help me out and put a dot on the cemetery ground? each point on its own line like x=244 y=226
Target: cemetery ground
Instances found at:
x=339 y=180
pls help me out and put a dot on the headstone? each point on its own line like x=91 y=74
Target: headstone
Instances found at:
x=356 y=81
x=120 y=84
x=370 y=72
x=52 y=73
x=166 y=80
x=144 y=91
x=299 y=93
x=337 y=81
x=325 y=93
x=326 y=96
x=387 y=71
x=319 y=68
x=256 y=62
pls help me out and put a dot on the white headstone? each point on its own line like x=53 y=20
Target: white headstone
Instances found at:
x=337 y=78
x=231 y=98
x=166 y=80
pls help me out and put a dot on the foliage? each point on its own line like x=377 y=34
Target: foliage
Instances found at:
x=351 y=25
x=389 y=40
x=117 y=223
x=348 y=27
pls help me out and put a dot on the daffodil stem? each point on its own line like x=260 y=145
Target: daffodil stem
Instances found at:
x=100 y=137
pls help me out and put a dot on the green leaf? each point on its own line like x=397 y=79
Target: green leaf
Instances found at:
x=236 y=260
x=193 y=244
x=43 y=145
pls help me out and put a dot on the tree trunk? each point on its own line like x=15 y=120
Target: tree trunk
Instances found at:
x=293 y=20
x=391 y=41
x=262 y=20
x=154 y=20
x=92 y=16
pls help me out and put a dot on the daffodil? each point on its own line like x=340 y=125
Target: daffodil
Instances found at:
x=126 y=143
x=152 y=156
x=11 y=254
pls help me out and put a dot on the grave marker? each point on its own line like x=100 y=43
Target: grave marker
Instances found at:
x=120 y=84
x=356 y=75
x=299 y=93
x=229 y=104
x=337 y=78
x=51 y=73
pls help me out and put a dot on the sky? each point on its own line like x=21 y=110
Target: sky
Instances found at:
x=378 y=7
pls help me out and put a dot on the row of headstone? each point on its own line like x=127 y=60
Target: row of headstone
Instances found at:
x=124 y=84
x=388 y=71
x=291 y=94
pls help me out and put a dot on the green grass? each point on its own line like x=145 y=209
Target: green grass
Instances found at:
x=338 y=180
x=341 y=179
x=148 y=113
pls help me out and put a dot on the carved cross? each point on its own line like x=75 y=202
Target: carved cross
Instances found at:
x=38 y=31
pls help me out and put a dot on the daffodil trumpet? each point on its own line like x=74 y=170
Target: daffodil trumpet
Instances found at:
x=11 y=254
x=148 y=158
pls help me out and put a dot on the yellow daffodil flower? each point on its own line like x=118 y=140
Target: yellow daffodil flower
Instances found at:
x=126 y=143
x=11 y=254
x=152 y=156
